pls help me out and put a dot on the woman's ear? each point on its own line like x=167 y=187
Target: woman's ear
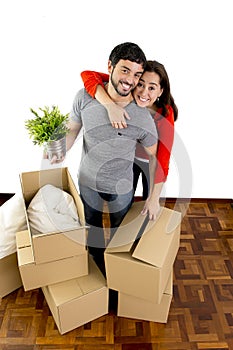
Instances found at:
x=161 y=91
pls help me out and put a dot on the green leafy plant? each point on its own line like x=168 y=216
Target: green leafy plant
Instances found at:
x=50 y=126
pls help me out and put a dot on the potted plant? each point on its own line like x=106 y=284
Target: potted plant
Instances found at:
x=49 y=130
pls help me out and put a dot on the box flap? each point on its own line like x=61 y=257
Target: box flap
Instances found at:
x=25 y=256
x=23 y=239
x=74 y=234
x=32 y=181
x=157 y=237
x=79 y=204
x=126 y=234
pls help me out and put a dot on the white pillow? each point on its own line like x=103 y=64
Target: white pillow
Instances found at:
x=12 y=220
x=52 y=210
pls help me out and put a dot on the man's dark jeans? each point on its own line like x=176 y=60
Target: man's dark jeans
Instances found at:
x=118 y=206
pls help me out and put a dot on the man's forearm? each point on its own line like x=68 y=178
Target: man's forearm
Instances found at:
x=74 y=129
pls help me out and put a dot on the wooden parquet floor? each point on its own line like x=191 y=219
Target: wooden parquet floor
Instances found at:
x=201 y=312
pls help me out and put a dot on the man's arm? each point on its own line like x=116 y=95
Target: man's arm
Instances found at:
x=74 y=129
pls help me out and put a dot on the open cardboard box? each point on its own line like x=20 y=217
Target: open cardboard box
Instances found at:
x=140 y=256
x=132 y=307
x=10 y=278
x=37 y=275
x=55 y=245
x=78 y=301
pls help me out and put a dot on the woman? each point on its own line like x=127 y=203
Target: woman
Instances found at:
x=153 y=92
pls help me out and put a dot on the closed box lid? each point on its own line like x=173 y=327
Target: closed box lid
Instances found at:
x=66 y=291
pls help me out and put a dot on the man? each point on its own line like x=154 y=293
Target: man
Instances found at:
x=105 y=172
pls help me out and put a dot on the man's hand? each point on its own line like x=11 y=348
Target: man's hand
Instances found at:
x=54 y=159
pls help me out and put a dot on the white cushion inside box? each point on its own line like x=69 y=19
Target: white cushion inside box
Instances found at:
x=52 y=210
x=12 y=220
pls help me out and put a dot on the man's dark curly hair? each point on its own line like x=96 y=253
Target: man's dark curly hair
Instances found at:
x=127 y=51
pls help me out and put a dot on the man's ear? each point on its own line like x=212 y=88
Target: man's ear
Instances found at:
x=109 y=66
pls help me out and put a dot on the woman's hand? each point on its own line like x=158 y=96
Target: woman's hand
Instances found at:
x=152 y=208
x=117 y=116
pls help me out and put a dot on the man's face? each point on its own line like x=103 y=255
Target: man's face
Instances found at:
x=125 y=76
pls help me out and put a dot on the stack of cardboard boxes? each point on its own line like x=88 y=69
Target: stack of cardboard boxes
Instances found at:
x=139 y=262
x=58 y=262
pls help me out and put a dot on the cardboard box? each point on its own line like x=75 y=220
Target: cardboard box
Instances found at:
x=78 y=301
x=132 y=307
x=55 y=245
x=37 y=275
x=140 y=256
x=10 y=279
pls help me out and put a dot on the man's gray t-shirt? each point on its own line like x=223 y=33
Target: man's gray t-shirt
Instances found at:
x=108 y=153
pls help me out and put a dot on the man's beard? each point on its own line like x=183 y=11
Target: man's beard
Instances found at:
x=114 y=84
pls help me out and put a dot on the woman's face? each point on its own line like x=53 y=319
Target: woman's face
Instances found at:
x=148 y=89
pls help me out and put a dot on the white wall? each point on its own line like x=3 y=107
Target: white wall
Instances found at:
x=45 y=44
